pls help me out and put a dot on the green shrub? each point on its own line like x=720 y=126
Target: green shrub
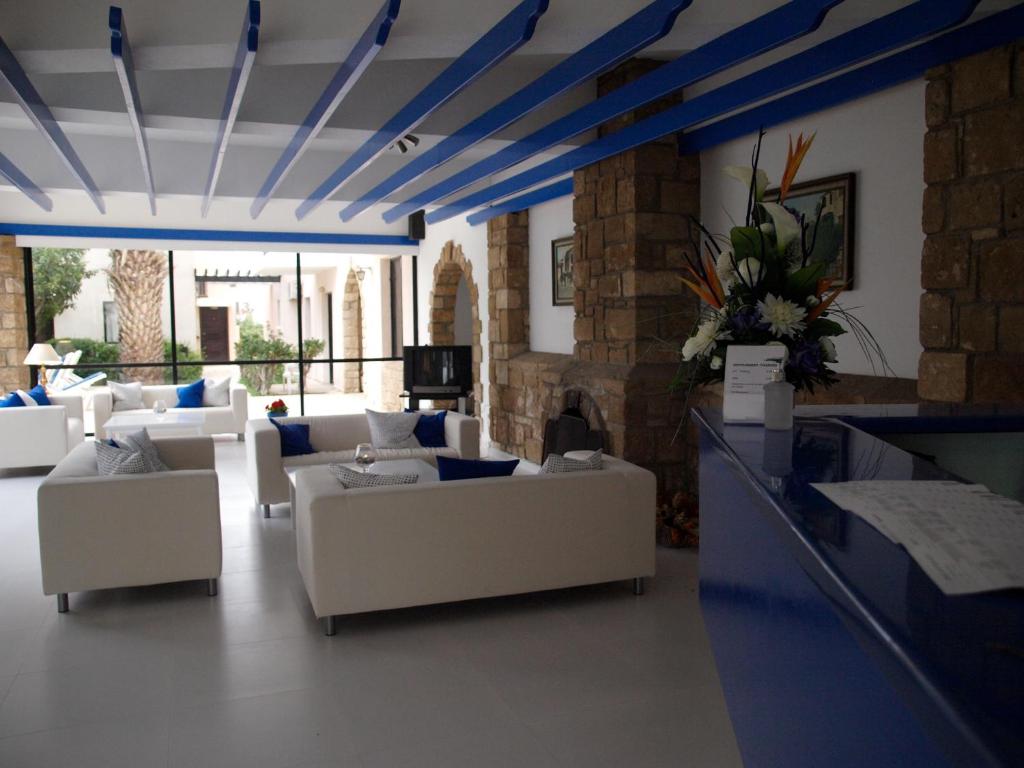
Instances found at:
x=310 y=349
x=93 y=352
x=253 y=344
x=186 y=373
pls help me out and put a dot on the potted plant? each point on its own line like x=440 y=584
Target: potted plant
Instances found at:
x=277 y=409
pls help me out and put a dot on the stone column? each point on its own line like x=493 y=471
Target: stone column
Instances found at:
x=972 y=266
x=14 y=341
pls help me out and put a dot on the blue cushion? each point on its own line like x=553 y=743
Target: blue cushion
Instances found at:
x=294 y=439
x=469 y=469
x=38 y=393
x=12 y=401
x=191 y=395
x=430 y=429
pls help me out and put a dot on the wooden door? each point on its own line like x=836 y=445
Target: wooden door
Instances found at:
x=213 y=333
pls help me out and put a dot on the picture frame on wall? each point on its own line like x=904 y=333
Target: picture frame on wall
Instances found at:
x=562 y=257
x=835 y=197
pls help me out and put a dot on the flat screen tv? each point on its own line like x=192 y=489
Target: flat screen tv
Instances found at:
x=438 y=370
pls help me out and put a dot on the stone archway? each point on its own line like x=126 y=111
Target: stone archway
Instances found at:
x=450 y=269
x=352 y=334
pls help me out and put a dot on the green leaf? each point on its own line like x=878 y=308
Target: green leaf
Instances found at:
x=804 y=281
x=746 y=242
x=823 y=327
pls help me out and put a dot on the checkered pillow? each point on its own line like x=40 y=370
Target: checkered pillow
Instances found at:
x=556 y=464
x=111 y=460
x=350 y=478
x=140 y=442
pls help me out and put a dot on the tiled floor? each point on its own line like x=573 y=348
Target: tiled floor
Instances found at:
x=166 y=676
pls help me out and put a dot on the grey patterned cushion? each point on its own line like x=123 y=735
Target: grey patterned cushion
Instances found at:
x=140 y=442
x=392 y=430
x=555 y=463
x=118 y=461
x=350 y=478
x=127 y=397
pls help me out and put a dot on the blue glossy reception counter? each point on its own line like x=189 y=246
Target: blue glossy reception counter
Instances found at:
x=833 y=647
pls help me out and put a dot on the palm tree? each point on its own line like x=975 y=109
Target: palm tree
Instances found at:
x=137 y=281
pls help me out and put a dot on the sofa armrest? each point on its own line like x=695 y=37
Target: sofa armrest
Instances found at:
x=73 y=403
x=240 y=406
x=180 y=453
x=103 y=409
x=463 y=434
x=35 y=437
x=263 y=466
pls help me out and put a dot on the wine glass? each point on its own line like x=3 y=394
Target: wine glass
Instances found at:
x=365 y=456
x=159 y=407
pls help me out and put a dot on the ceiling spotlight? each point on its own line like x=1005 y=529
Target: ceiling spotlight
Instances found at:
x=403 y=142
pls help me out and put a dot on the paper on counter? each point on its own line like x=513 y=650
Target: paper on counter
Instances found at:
x=966 y=538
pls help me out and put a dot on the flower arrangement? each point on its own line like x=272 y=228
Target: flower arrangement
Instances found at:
x=277 y=408
x=760 y=285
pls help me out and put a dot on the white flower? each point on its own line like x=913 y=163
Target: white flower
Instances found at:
x=704 y=338
x=787 y=228
x=716 y=363
x=828 y=350
x=812 y=301
x=748 y=270
x=784 y=317
x=743 y=174
x=725 y=268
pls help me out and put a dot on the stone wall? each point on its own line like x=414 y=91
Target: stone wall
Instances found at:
x=352 y=334
x=13 y=317
x=972 y=267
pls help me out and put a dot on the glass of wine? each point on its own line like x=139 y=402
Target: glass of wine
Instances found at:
x=365 y=456
x=160 y=408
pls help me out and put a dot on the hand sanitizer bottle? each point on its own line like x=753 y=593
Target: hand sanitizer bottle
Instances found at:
x=778 y=401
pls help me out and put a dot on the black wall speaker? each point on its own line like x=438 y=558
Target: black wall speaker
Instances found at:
x=417 y=225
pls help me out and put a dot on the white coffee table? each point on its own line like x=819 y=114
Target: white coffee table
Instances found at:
x=426 y=471
x=179 y=421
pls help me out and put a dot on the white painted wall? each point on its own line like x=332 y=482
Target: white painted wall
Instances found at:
x=880 y=138
x=551 y=327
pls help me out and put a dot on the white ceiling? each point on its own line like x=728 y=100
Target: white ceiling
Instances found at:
x=183 y=51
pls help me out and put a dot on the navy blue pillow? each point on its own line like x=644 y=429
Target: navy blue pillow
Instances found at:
x=469 y=469
x=38 y=393
x=191 y=395
x=12 y=401
x=430 y=429
x=294 y=439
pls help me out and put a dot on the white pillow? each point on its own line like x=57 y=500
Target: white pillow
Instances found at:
x=26 y=398
x=350 y=478
x=393 y=430
x=554 y=463
x=127 y=397
x=216 y=394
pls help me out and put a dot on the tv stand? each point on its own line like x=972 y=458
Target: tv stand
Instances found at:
x=415 y=398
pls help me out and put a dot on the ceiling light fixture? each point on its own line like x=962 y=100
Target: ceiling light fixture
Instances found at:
x=403 y=142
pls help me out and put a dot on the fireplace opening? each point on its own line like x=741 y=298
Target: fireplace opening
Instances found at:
x=578 y=427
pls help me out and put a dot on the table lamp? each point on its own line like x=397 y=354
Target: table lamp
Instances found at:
x=42 y=355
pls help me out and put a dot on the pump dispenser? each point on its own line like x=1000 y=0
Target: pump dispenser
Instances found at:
x=778 y=401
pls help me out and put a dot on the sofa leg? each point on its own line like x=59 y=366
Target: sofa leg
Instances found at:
x=329 y=626
x=211 y=587
x=266 y=510
x=62 y=602
x=241 y=437
x=638 y=585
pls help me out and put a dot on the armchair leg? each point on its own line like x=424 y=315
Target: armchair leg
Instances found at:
x=62 y=602
x=638 y=585
x=211 y=587
x=329 y=626
x=266 y=510
x=241 y=437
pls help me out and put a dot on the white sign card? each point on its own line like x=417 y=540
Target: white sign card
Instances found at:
x=747 y=370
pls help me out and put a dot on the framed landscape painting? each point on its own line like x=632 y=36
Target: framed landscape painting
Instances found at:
x=834 y=199
x=562 y=289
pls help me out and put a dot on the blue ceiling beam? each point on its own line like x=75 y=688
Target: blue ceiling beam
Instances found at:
x=995 y=30
x=917 y=20
x=40 y=114
x=634 y=34
x=790 y=21
x=348 y=74
x=13 y=174
x=124 y=66
x=554 y=191
x=503 y=39
x=245 y=54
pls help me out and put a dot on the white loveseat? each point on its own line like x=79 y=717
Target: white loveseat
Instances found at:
x=372 y=549
x=217 y=419
x=42 y=435
x=98 y=532
x=335 y=438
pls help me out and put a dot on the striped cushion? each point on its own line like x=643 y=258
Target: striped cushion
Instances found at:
x=555 y=463
x=111 y=460
x=350 y=478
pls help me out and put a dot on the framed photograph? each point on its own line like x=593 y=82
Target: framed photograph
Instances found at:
x=834 y=199
x=562 y=254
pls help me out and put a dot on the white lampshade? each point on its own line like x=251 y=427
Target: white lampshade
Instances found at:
x=42 y=354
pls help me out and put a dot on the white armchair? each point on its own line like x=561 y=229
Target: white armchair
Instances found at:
x=41 y=436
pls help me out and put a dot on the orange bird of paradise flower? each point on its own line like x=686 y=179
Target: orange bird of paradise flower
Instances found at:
x=794 y=156
x=708 y=287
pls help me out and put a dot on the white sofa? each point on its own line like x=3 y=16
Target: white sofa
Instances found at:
x=41 y=436
x=373 y=549
x=98 y=532
x=335 y=438
x=217 y=420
